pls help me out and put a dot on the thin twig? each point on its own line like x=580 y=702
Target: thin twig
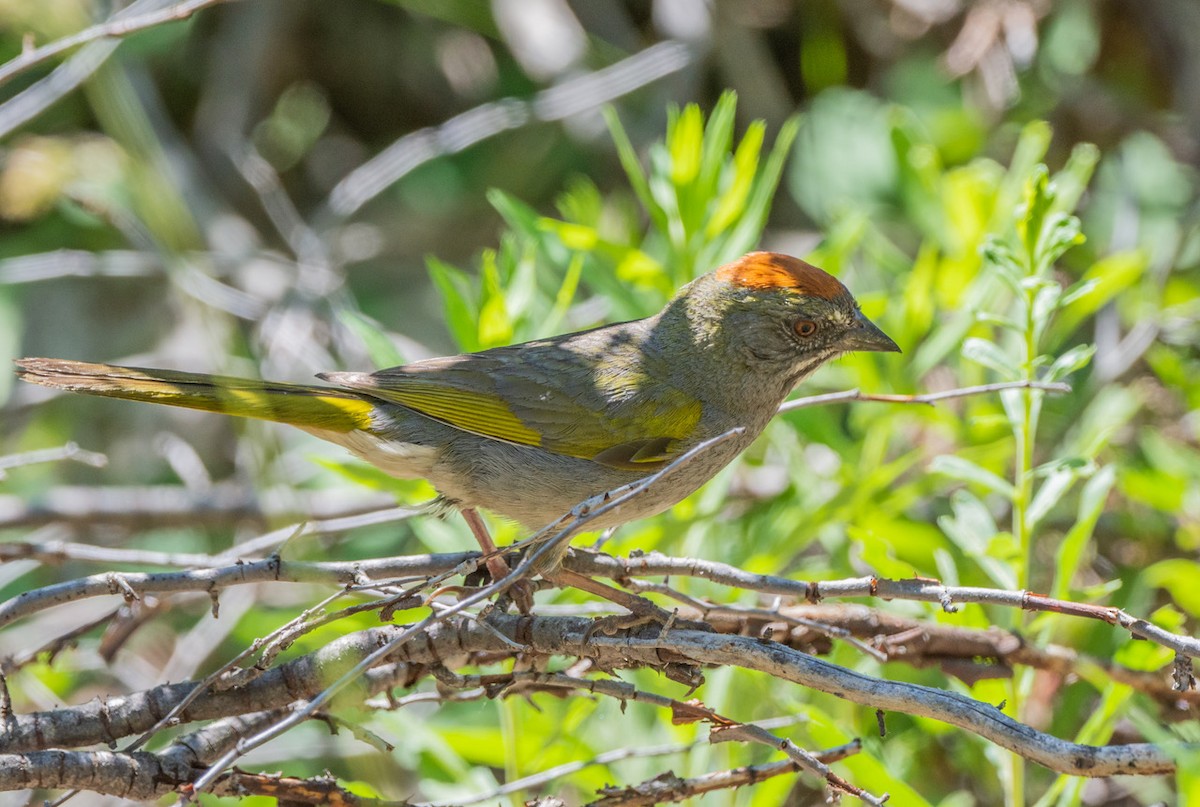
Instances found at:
x=924 y=398
x=669 y=788
x=487 y=120
x=70 y=451
x=118 y=26
x=174 y=505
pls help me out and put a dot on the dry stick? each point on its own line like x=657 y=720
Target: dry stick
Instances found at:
x=572 y=97
x=42 y=94
x=58 y=551
x=915 y=589
x=109 y=29
x=70 y=451
x=707 y=609
x=663 y=788
x=270 y=569
x=561 y=635
x=174 y=505
x=724 y=729
x=566 y=769
x=53 y=647
x=923 y=398
x=202 y=687
x=544 y=637
x=550 y=538
x=596 y=565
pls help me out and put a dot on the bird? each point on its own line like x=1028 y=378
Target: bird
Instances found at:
x=529 y=431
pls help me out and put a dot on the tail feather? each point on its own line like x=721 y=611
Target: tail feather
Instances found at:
x=311 y=407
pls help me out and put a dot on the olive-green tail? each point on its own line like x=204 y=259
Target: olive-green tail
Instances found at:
x=309 y=407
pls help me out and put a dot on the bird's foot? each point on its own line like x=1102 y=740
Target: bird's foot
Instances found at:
x=521 y=591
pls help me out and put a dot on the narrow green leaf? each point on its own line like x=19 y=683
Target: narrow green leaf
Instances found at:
x=973 y=530
x=718 y=137
x=748 y=230
x=1050 y=492
x=1070 y=552
x=1070 y=183
x=565 y=295
x=745 y=165
x=963 y=469
x=374 y=337
x=1031 y=147
x=633 y=169
x=989 y=354
x=684 y=141
x=457 y=305
x=1034 y=209
x=1074 y=359
x=495 y=324
x=1106 y=278
x=1077 y=291
x=518 y=215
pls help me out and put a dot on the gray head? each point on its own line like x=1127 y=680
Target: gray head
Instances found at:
x=778 y=316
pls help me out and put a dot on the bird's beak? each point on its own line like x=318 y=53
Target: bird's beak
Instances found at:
x=866 y=336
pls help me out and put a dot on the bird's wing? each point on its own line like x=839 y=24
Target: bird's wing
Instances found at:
x=564 y=400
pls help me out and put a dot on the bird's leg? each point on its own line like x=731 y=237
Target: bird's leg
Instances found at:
x=642 y=611
x=496 y=565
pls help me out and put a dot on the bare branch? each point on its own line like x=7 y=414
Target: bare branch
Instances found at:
x=459 y=642
x=670 y=788
x=924 y=398
x=569 y=98
x=70 y=451
x=916 y=589
x=174 y=505
x=120 y=25
x=273 y=568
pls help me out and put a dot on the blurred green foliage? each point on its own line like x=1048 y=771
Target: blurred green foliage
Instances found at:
x=967 y=214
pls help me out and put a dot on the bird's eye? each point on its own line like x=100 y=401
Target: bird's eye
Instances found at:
x=805 y=328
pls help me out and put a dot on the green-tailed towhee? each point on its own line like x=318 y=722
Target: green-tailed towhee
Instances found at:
x=531 y=430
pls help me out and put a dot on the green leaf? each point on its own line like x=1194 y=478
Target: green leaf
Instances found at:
x=1105 y=279
x=1045 y=301
x=1062 y=233
x=1034 y=208
x=718 y=135
x=731 y=203
x=1070 y=553
x=967 y=471
x=973 y=530
x=1077 y=291
x=1051 y=491
x=1074 y=359
x=1031 y=147
x=495 y=325
x=519 y=216
x=999 y=255
x=565 y=295
x=746 y=233
x=1070 y=183
x=457 y=305
x=374 y=337
x=989 y=354
x=684 y=141
x=633 y=169
x=1179 y=577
